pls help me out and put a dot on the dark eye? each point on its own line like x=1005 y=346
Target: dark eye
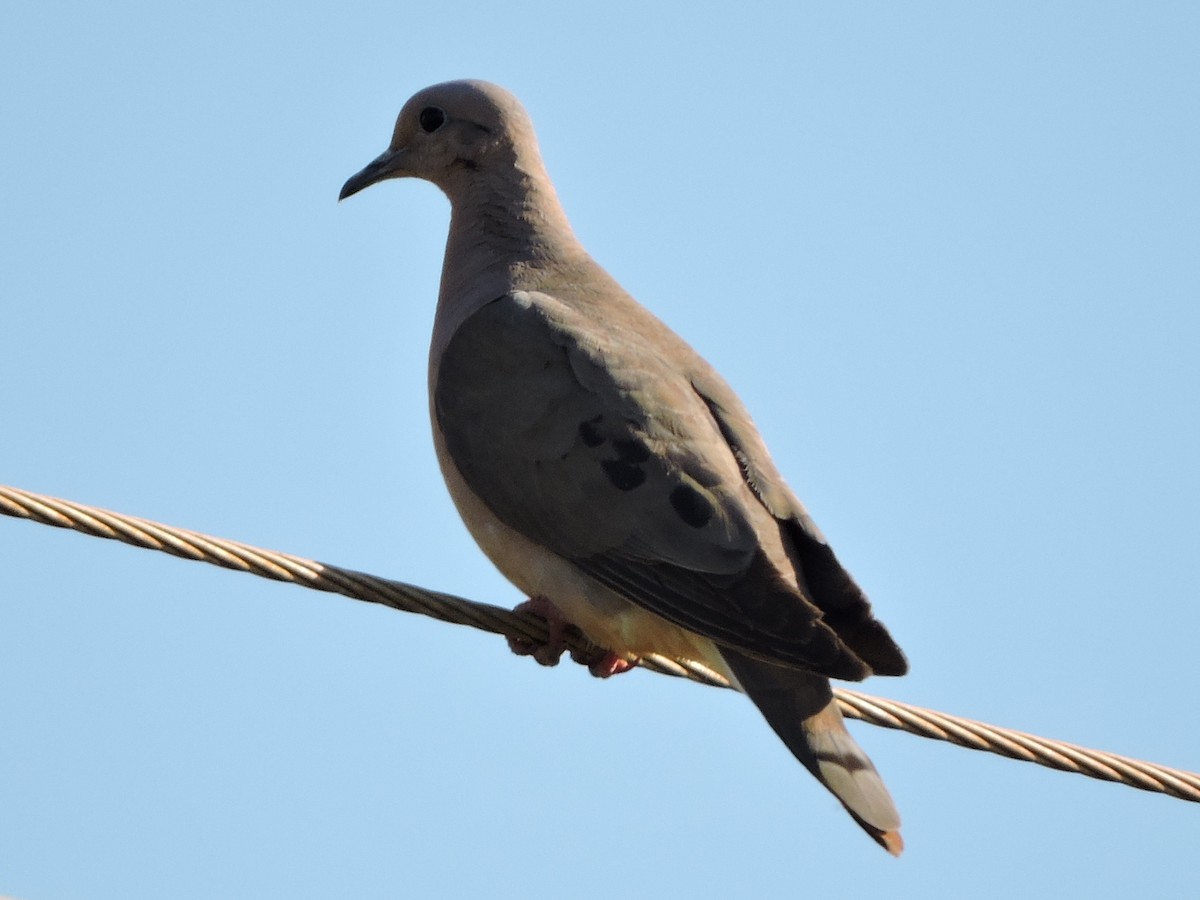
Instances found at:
x=431 y=119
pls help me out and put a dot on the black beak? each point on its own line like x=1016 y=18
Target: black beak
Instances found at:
x=381 y=168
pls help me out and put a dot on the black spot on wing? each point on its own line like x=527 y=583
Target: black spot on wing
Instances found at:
x=588 y=433
x=631 y=451
x=692 y=506
x=625 y=477
x=625 y=472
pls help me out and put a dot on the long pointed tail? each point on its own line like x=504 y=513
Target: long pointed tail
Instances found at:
x=801 y=709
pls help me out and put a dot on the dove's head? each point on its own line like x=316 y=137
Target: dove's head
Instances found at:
x=449 y=131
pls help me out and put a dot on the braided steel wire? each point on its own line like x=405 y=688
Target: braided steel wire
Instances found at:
x=457 y=610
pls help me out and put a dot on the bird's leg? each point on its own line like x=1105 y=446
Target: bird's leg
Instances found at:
x=602 y=664
x=548 y=653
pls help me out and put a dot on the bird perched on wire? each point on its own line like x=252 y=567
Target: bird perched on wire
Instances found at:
x=607 y=470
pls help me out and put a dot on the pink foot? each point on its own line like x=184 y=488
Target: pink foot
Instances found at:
x=609 y=665
x=603 y=664
x=546 y=654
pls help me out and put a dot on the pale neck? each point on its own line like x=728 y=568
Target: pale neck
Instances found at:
x=503 y=233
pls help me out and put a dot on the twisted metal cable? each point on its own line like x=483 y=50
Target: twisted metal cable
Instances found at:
x=928 y=723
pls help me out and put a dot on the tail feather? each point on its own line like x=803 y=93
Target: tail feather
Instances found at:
x=843 y=767
x=801 y=709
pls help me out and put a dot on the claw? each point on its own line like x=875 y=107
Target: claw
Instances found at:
x=602 y=665
x=548 y=653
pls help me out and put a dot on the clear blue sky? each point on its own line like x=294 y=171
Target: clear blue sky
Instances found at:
x=946 y=252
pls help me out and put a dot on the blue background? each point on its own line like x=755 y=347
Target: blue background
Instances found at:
x=946 y=252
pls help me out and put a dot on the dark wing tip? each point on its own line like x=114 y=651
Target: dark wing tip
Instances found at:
x=873 y=644
x=844 y=605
